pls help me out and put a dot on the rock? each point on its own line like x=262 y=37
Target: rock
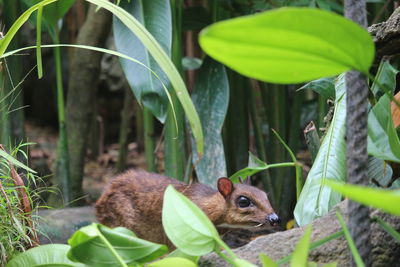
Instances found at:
x=278 y=245
x=57 y=226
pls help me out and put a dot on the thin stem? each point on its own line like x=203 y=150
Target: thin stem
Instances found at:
x=116 y=255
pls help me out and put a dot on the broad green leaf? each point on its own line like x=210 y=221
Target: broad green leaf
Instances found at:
x=386 y=77
x=44 y=255
x=211 y=98
x=256 y=165
x=324 y=86
x=300 y=253
x=383 y=141
x=331 y=264
x=386 y=200
x=290 y=45
x=149 y=42
x=173 y=262
x=14 y=161
x=379 y=170
x=155 y=16
x=267 y=261
x=316 y=199
x=101 y=246
x=350 y=241
x=186 y=225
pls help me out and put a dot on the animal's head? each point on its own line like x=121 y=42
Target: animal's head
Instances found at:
x=247 y=206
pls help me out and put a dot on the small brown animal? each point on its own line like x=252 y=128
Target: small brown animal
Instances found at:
x=134 y=200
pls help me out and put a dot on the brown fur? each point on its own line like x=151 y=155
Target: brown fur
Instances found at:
x=134 y=200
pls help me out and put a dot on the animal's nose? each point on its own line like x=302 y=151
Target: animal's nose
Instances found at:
x=273 y=219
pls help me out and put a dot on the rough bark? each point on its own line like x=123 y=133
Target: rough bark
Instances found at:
x=356 y=135
x=82 y=89
x=387 y=36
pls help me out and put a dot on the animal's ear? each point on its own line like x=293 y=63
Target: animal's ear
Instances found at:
x=225 y=186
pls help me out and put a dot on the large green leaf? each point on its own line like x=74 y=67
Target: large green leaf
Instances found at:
x=186 y=225
x=316 y=199
x=386 y=77
x=386 y=200
x=211 y=98
x=383 y=141
x=99 y=245
x=45 y=255
x=379 y=171
x=155 y=16
x=290 y=45
x=149 y=42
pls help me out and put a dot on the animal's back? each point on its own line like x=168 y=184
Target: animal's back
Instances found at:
x=134 y=200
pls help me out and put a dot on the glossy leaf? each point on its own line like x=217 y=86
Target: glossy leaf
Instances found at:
x=290 y=45
x=267 y=261
x=255 y=165
x=173 y=262
x=155 y=16
x=379 y=170
x=44 y=255
x=186 y=225
x=386 y=76
x=211 y=98
x=383 y=141
x=316 y=199
x=300 y=253
x=324 y=86
x=101 y=246
x=386 y=200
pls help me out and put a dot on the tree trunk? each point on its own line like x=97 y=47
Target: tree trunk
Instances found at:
x=82 y=89
x=356 y=134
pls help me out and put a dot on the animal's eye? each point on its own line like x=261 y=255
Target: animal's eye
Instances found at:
x=243 y=202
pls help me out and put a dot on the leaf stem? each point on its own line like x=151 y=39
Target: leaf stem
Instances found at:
x=108 y=244
x=352 y=246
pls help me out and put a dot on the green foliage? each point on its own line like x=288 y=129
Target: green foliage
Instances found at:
x=173 y=262
x=383 y=141
x=256 y=165
x=386 y=200
x=385 y=77
x=350 y=242
x=46 y=255
x=16 y=226
x=186 y=225
x=101 y=246
x=149 y=42
x=330 y=164
x=300 y=254
x=155 y=16
x=211 y=98
x=290 y=45
x=324 y=86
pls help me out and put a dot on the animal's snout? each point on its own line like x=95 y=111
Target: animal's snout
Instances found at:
x=273 y=219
